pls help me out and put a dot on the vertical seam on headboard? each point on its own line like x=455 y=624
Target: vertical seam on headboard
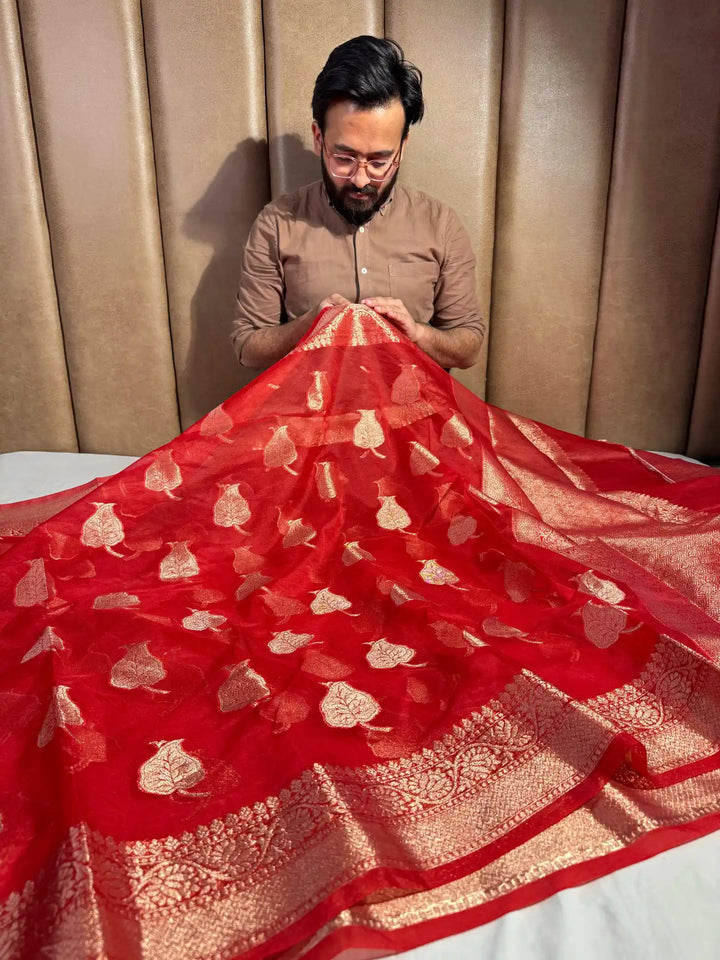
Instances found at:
x=493 y=263
x=265 y=96
x=607 y=211
x=160 y=219
x=47 y=225
x=711 y=260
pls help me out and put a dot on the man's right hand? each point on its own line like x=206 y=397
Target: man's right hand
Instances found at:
x=268 y=344
x=334 y=300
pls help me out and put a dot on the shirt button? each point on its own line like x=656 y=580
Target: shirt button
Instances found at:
x=362 y=229
x=364 y=270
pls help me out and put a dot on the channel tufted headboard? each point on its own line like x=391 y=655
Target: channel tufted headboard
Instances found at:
x=579 y=141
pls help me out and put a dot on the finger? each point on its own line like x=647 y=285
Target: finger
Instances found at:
x=384 y=301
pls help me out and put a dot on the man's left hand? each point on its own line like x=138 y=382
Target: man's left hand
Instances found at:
x=397 y=313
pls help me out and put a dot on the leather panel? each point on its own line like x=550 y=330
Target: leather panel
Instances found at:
x=559 y=89
x=661 y=220
x=35 y=407
x=452 y=152
x=87 y=83
x=299 y=37
x=704 y=437
x=207 y=97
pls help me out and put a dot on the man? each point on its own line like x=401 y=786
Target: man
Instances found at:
x=356 y=235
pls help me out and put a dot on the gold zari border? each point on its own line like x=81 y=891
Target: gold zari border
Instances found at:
x=236 y=882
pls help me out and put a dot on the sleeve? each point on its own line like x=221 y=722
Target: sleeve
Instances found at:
x=456 y=303
x=260 y=296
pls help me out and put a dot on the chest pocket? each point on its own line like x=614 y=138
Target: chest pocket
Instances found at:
x=414 y=283
x=307 y=282
x=305 y=286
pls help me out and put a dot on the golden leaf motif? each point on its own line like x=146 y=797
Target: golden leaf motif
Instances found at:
x=368 y=434
x=246 y=561
x=602 y=589
x=283 y=606
x=138 y=668
x=383 y=655
x=391 y=515
x=318 y=393
x=327 y=602
x=231 y=508
x=203 y=620
x=472 y=639
x=62 y=712
x=456 y=433
x=461 y=529
x=170 y=770
x=111 y=601
x=406 y=387
x=494 y=627
x=47 y=641
x=518 y=579
x=32 y=588
x=298 y=533
x=242 y=688
x=289 y=642
x=326 y=479
x=433 y=572
x=421 y=460
x=603 y=625
x=103 y=529
x=400 y=595
x=179 y=564
x=354 y=552
x=163 y=475
x=448 y=633
x=215 y=423
x=345 y=706
x=280 y=451
x=252 y=582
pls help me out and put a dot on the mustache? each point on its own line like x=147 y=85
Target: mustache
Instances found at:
x=367 y=191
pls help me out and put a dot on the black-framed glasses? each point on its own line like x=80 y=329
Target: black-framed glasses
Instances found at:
x=344 y=166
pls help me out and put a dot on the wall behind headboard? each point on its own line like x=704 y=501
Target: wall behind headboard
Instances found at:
x=579 y=141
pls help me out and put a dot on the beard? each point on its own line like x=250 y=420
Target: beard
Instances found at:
x=357 y=211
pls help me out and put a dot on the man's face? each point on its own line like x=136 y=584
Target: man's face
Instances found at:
x=368 y=135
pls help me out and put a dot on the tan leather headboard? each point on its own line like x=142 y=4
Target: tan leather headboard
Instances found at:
x=579 y=141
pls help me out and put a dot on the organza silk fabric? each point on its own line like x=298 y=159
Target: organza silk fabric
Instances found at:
x=355 y=662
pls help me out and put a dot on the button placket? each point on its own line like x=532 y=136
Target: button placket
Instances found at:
x=361 y=252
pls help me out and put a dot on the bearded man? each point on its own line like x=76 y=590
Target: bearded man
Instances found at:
x=357 y=235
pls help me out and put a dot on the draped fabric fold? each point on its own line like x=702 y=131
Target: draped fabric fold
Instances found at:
x=355 y=662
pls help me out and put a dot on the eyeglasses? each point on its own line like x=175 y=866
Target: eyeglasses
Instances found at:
x=344 y=166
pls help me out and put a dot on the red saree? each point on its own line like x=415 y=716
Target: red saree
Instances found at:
x=355 y=662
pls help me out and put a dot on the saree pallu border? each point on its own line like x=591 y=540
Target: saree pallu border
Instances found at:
x=266 y=877
x=618 y=828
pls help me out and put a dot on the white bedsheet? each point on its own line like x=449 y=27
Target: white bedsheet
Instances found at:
x=665 y=908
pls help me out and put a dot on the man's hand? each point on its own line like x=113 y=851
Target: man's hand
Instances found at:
x=270 y=343
x=449 y=348
x=397 y=313
x=334 y=300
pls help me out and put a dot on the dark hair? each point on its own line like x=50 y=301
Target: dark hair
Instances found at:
x=370 y=72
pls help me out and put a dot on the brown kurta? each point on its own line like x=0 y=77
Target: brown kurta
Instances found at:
x=300 y=250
